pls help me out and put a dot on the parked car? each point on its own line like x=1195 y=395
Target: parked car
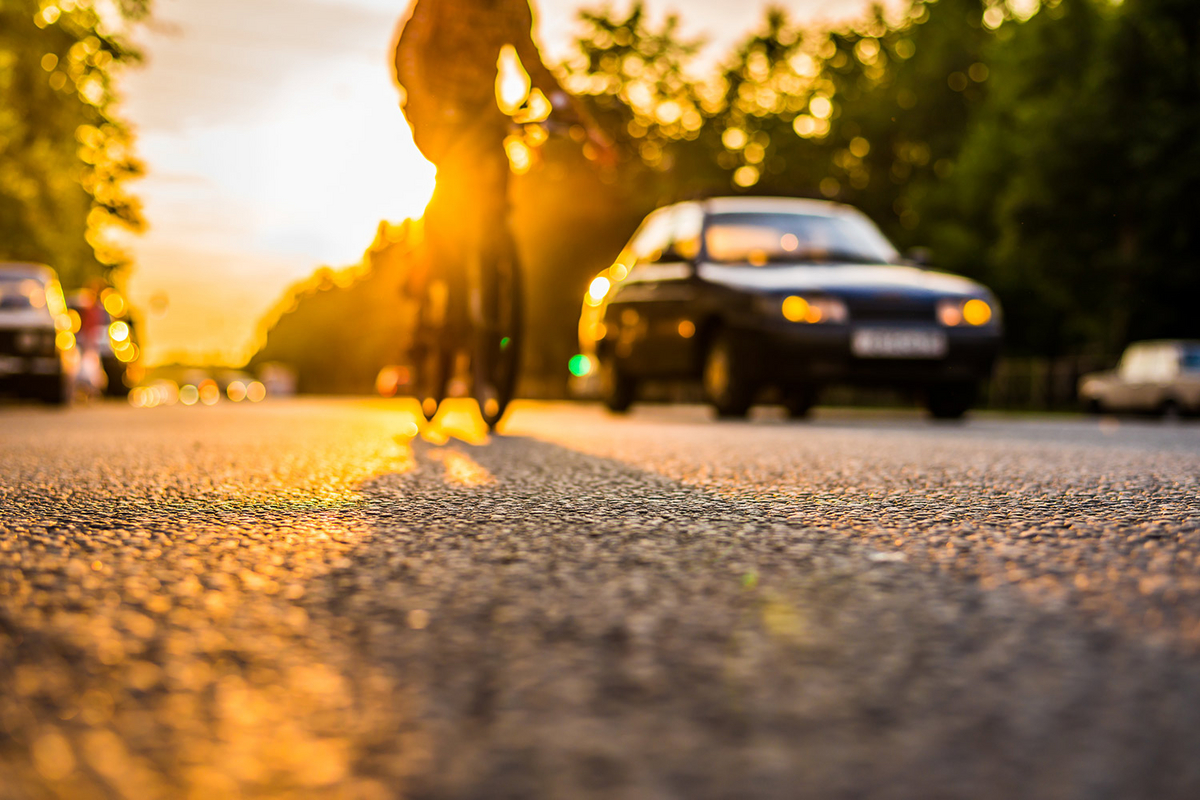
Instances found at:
x=1161 y=377
x=36 y=346
x=746 y=293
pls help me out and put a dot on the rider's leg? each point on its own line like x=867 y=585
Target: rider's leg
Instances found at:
x=445 y=294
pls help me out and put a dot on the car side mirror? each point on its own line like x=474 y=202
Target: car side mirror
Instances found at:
x=919 y=256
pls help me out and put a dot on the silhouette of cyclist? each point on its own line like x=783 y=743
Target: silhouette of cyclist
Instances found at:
x=448 y=59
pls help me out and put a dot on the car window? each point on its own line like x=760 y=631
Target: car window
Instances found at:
x=1166 y=363
x=1134 y=364
x=1150 y=363
x=21 y=293
x=759 y=239
x=655 y=235
x=1189 y=360
x=689 y=223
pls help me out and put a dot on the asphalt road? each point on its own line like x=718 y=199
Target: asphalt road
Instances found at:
x=300 y=599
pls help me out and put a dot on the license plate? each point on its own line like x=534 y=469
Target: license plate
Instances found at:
x=898 y=343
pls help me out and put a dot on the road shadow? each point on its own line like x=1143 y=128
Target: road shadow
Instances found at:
x=562 y=625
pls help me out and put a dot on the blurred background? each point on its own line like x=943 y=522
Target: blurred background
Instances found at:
x=238 y=175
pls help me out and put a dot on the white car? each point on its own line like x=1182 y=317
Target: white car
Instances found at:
x=36 y=345
x=1160 y=377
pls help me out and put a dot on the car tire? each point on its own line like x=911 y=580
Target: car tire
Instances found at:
x=617 y=389
x=1170 y=410
x=799 y=400
x=951 y=401
x=1094 y=406
x=728 y=384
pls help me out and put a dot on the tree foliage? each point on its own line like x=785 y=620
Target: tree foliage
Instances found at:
x=65 y=154
x=1075 y=185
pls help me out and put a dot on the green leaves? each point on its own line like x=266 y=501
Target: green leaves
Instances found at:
x=65 y=155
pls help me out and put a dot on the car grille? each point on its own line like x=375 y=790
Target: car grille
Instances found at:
x=8 y=344
x=892 y=310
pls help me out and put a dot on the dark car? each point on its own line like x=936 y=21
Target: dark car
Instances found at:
x=746 y=293
x=37 y=350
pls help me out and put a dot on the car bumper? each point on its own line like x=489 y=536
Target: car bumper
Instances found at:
x=824 y=354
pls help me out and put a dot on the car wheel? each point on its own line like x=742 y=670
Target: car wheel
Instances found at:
x=799 y=400
x=951 y=401
x=1094 y=406
x=727 y=383
x=1170 y=410
x=617 y=389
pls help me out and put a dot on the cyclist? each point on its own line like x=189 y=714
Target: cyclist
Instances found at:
x=447 y=59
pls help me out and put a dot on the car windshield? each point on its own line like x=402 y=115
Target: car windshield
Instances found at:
x=761 y=239
x=21 y=292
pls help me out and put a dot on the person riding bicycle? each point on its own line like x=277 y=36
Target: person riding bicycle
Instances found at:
x=448 y=60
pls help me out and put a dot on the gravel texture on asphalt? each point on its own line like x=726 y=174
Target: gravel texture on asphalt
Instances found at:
x=299 y=599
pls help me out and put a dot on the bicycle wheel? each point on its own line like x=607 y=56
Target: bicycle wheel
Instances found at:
x=498 y=343
x=433 y=374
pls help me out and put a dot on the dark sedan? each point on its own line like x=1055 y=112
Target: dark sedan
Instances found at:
x=747 y=293
x=37 y=350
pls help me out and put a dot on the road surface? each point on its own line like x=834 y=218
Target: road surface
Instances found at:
x=304 y=599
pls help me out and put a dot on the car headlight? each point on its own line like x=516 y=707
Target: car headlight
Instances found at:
x=28 y=341
x=968 y=313
x=813 y=310
x=597 y=290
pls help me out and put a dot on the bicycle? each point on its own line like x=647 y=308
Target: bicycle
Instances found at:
x=493 y=341
x=492 y=285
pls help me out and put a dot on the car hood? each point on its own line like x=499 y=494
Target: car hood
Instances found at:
x=841 y=279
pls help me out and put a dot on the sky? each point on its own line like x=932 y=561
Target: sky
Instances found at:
x=274 y=144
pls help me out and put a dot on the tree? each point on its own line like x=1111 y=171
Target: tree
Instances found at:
x=869 y=114
x=1074 y=183
x=65 y=155
x=639 y=83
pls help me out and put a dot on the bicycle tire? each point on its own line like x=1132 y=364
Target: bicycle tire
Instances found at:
x=498 y=346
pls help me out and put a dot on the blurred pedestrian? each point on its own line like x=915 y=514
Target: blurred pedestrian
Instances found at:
x=93 y=326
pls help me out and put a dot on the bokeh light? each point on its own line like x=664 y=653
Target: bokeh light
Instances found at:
x=795 y=309
x=580 y=365
x=977 y=312
x=598 y=289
